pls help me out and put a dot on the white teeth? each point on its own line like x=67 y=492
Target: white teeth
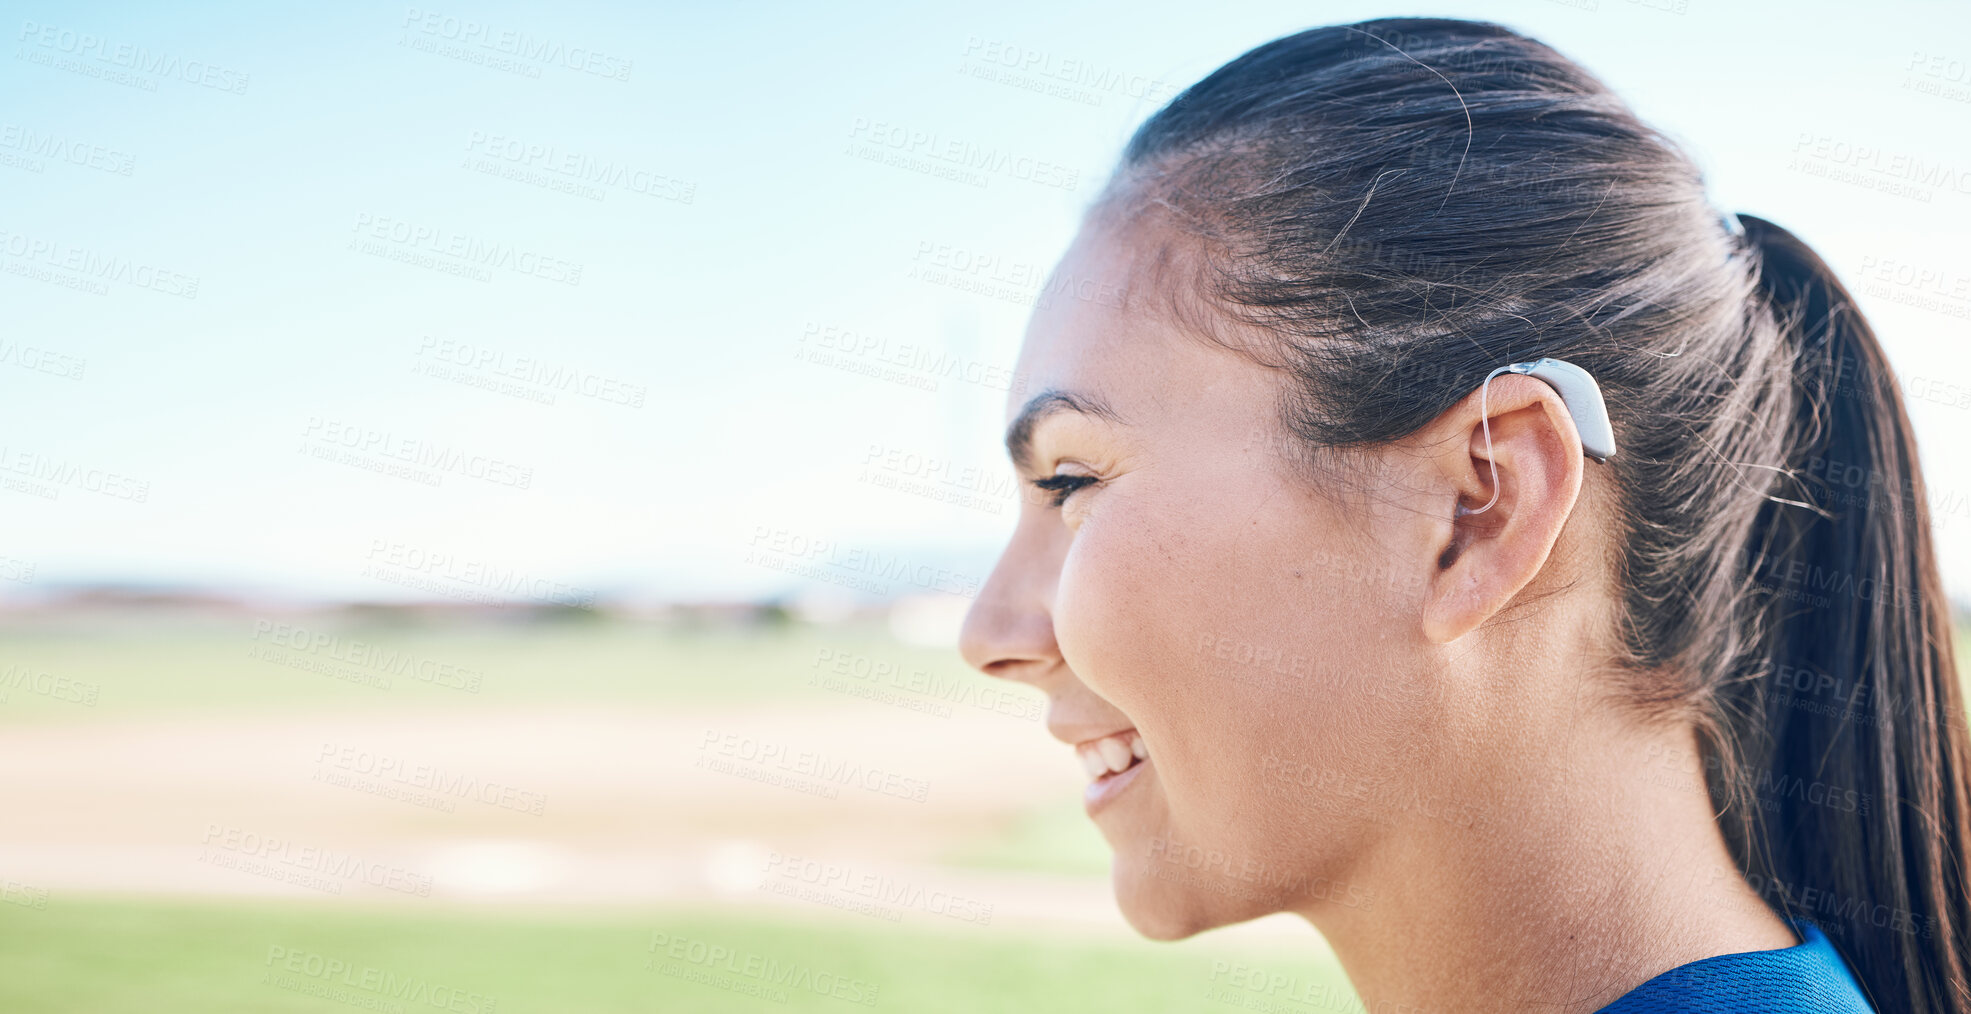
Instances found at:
x=1112 y=753
x=1115 y=751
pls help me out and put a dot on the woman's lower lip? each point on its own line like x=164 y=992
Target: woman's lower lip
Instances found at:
x=1104 y=790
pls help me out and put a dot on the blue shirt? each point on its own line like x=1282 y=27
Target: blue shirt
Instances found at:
x=1809 y=978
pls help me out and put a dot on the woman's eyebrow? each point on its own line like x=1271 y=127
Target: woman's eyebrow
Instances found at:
x=1019 y=436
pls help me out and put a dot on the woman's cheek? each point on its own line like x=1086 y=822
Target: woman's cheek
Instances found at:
x=1093 y=606
x=1127 y=612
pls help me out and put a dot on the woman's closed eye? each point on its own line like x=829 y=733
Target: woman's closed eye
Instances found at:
x=1062 y=486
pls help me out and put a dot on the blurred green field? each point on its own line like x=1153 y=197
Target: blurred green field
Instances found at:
x=253 y=664
x=110 y=957
x=96 y=954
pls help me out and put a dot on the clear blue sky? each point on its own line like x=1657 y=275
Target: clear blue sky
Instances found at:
x=297 y=167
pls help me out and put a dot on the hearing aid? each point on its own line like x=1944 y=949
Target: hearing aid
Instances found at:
x=1577 y=390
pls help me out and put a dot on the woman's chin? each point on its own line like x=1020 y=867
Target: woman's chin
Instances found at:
x=1160 y=910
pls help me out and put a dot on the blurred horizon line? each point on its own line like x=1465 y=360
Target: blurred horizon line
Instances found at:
x=824 y=606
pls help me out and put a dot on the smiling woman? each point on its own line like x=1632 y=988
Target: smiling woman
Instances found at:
x=1555 y=752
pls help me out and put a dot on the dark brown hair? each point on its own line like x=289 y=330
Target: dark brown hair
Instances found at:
x=1405 y=204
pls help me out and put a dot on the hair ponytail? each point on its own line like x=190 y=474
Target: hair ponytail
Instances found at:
x=1848 y=803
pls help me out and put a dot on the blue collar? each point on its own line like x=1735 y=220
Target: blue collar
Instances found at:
x=1808 y=978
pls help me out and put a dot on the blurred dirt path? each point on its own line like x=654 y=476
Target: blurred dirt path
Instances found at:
x=841 y=812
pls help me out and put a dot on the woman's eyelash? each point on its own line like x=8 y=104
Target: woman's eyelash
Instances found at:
x=1062 y=486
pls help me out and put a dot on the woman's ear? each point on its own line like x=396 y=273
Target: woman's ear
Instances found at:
x=1482 y=559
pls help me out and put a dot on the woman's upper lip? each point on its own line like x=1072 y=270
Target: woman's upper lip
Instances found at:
x=1078 y=736
x=1106 y=735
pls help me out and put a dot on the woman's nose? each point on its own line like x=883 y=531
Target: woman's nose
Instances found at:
x=1009 y=630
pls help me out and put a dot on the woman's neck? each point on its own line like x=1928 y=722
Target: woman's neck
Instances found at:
x=1592 y=864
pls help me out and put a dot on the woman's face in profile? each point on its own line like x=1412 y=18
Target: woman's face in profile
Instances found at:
x=1194 y=591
